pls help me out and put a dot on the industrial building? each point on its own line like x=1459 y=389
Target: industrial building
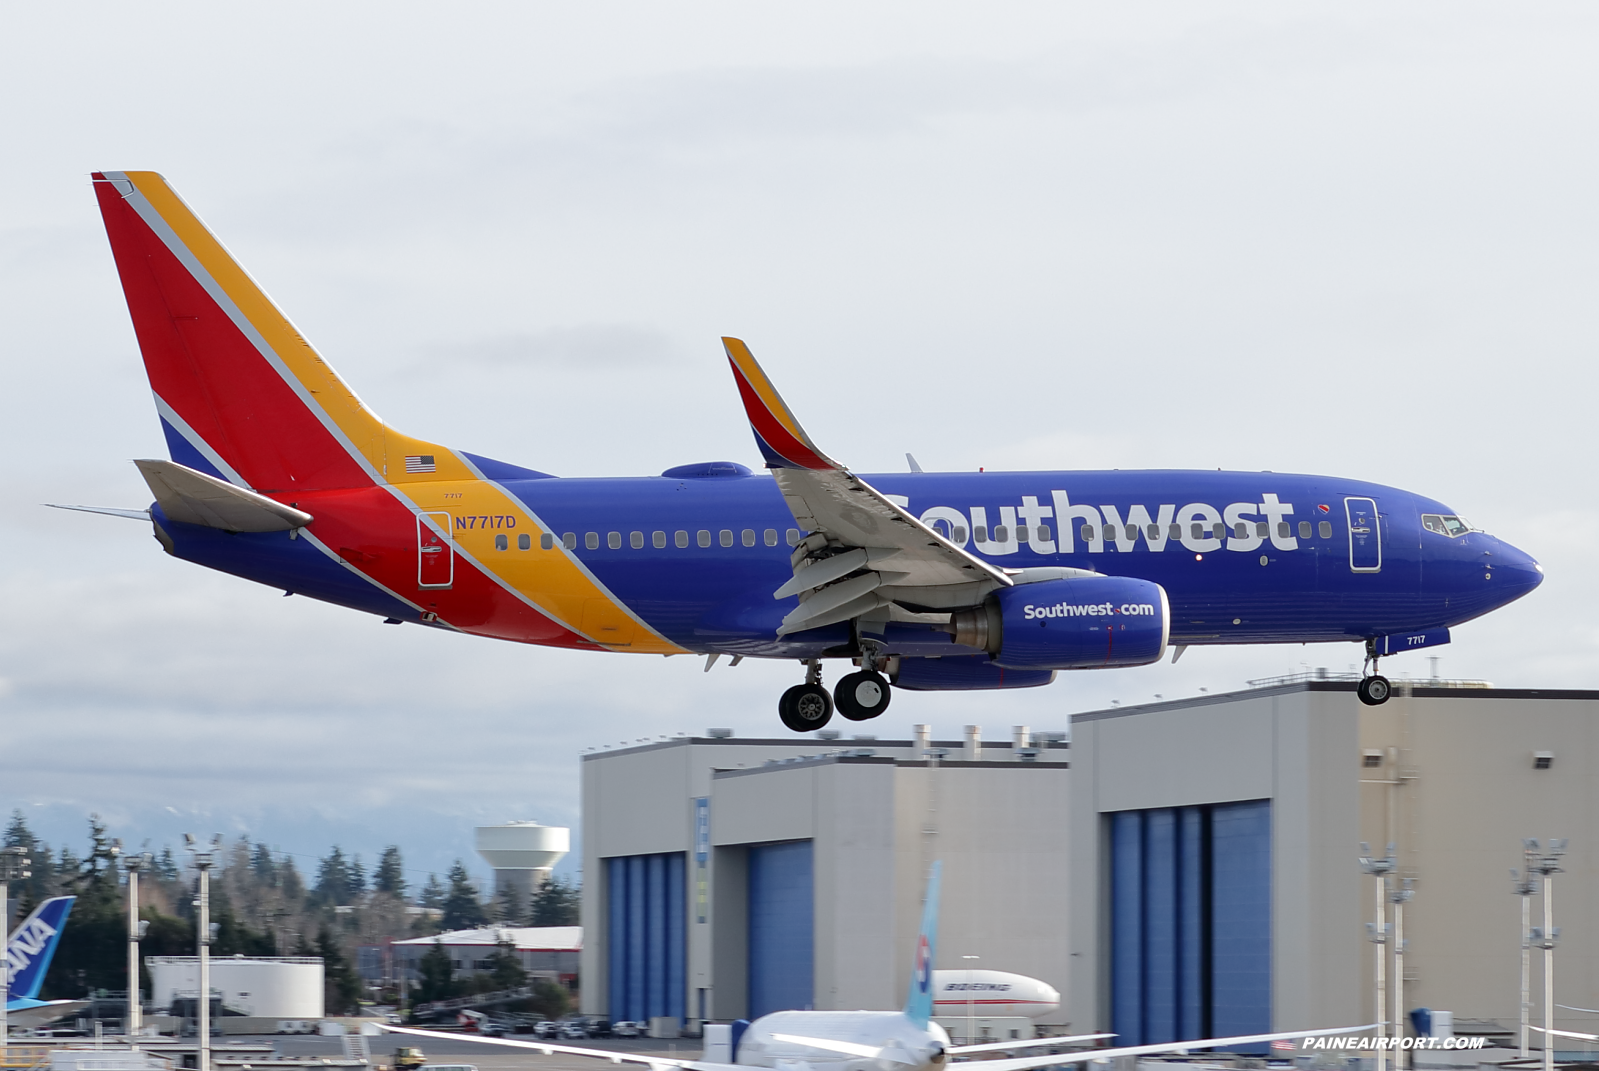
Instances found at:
x=1193 y=871
x=726 y=878
x=1216 y=841
x=267 y=987
x=550 y=953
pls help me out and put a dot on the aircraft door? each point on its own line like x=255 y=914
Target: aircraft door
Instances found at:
x=1365 y=535
x=435 y=553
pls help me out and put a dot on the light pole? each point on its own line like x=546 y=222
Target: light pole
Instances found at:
x=202 y=862
x=1400 y=896
x=1377 y=933
x=1525 y=886
x=14 y=864
x=132 y=865
x=1547 y=936
x=971 y=1014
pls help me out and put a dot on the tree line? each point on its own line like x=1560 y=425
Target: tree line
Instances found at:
x=261 y=905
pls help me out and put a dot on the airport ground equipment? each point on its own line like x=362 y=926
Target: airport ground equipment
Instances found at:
x=281 y=474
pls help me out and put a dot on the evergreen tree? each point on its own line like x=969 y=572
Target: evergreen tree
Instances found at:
x=432 y=893
x=462 y=908
x=167 y=866
x=509 y=908
x=437 y=975
x=332 y=879
x=505 y=967
x=357 y=884
x=29 y=892
x=290 y=881
x=263 y=866
x=341 y=986
x=390 y=874
x=556 y=903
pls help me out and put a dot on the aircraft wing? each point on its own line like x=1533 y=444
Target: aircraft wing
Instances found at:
x=655 y=1063
x=1027 y=1063
x=1028 y=1043
x=27 y=1014
x=853 y=529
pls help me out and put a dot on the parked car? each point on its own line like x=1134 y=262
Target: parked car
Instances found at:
x=627 y=1028
x=598 y=1028
x=547 y=1029
x=574 y=1029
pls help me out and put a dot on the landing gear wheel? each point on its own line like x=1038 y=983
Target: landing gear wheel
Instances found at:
x=862 y=695
x=1374 y=690
x=805 y=708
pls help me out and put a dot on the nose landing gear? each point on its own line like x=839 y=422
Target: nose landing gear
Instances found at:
x=806 y=707
x=1374 y=688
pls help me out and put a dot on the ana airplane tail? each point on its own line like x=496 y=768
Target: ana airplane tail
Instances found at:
x=32 y=945
x=241 y=393
x=919 y=1002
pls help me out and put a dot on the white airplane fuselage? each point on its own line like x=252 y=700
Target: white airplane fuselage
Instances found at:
x=881 y=1040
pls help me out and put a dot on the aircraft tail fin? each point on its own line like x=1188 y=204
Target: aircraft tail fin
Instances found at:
x=919 y=1001
x=242 y=395
x=32 y=945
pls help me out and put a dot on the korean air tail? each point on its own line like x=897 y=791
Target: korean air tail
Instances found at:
x=919 y=1002
x=242 y=395
x=32 y=945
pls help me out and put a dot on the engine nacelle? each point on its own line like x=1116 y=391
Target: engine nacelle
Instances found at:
x=1089 y=622
x=963 y=673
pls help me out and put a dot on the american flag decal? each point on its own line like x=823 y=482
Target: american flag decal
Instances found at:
x=420 y=463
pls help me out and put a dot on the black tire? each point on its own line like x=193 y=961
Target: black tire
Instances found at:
x=1374 y=691
x=860 y=696
x=805 y=708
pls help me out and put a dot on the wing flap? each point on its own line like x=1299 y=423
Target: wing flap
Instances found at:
x=191 y=497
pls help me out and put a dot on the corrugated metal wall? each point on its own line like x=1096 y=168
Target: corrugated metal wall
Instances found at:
x=782 y=927
x=1190 y=922
x=645 y=935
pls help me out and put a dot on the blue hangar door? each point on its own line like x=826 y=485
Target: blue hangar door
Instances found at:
x=782 y=927
x=1190 y=922
x=645 y=924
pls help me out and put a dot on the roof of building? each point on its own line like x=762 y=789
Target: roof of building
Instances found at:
x=525 y=938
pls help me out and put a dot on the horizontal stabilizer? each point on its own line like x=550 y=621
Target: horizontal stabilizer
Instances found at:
x=109 y=511
x=191 y=497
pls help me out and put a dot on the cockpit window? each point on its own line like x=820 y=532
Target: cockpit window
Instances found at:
x=1445 y=524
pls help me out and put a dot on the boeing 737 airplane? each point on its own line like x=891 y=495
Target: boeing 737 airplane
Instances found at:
x=905 y=1040
x=29 y=950
x=280 y=474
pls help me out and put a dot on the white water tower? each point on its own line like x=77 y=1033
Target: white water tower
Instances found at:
x=522 y=855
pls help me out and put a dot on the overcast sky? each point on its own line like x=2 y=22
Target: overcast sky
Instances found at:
x=1352 y=239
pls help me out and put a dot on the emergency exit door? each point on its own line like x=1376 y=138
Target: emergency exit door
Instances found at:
x=435 y=556
x=1365 y=535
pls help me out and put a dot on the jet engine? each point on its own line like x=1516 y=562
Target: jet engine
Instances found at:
x=962 y=673
x=1088 y=622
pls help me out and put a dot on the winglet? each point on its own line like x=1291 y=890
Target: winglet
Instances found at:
x=783 y=442
x=919 y=1002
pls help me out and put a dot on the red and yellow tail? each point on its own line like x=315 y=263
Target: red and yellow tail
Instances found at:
x=242 y=394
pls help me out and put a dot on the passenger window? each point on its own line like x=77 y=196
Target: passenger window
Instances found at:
x=1240 y=530
x=1261 y=531
x=1043 y=533
x=979 y=533
x=500 y=543
x=525 y=542
x=681 y=539
x=703 y=538
x=657 y=540
x=1218 y=531
x=1175 y=531
x=1021 y=537
x=546 y=541
x=956 y=535
x=1154 y=533
x=771 y=537
x=569 y=539
x=1001 y=533
x=591 y=540
x=636 y=541
x=793 y=537
x=1087 y=533
x=727 y=538
x=1196 y=528
x=1304 y=529
x=614 y=540
x=1326 y=529
x=1132 y=533
x=748 y=540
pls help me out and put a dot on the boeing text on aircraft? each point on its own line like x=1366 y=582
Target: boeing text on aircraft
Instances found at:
x=280 y=474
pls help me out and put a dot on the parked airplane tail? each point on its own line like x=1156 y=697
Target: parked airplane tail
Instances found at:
x=241 y=393
x=32 y=945
x=919 y=1002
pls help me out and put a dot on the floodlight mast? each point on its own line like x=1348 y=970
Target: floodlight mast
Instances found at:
x=1377 y=933
x=1399 y=897
x=1525 y=886
x=203 y=854
x=134 y=1022
x=14 y=864
x=1547 y=936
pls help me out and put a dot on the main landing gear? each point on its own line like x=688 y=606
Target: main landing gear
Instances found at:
x=1374 y=688
x=858 y=696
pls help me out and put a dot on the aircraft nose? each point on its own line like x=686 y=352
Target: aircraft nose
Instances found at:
x=1515 y=572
